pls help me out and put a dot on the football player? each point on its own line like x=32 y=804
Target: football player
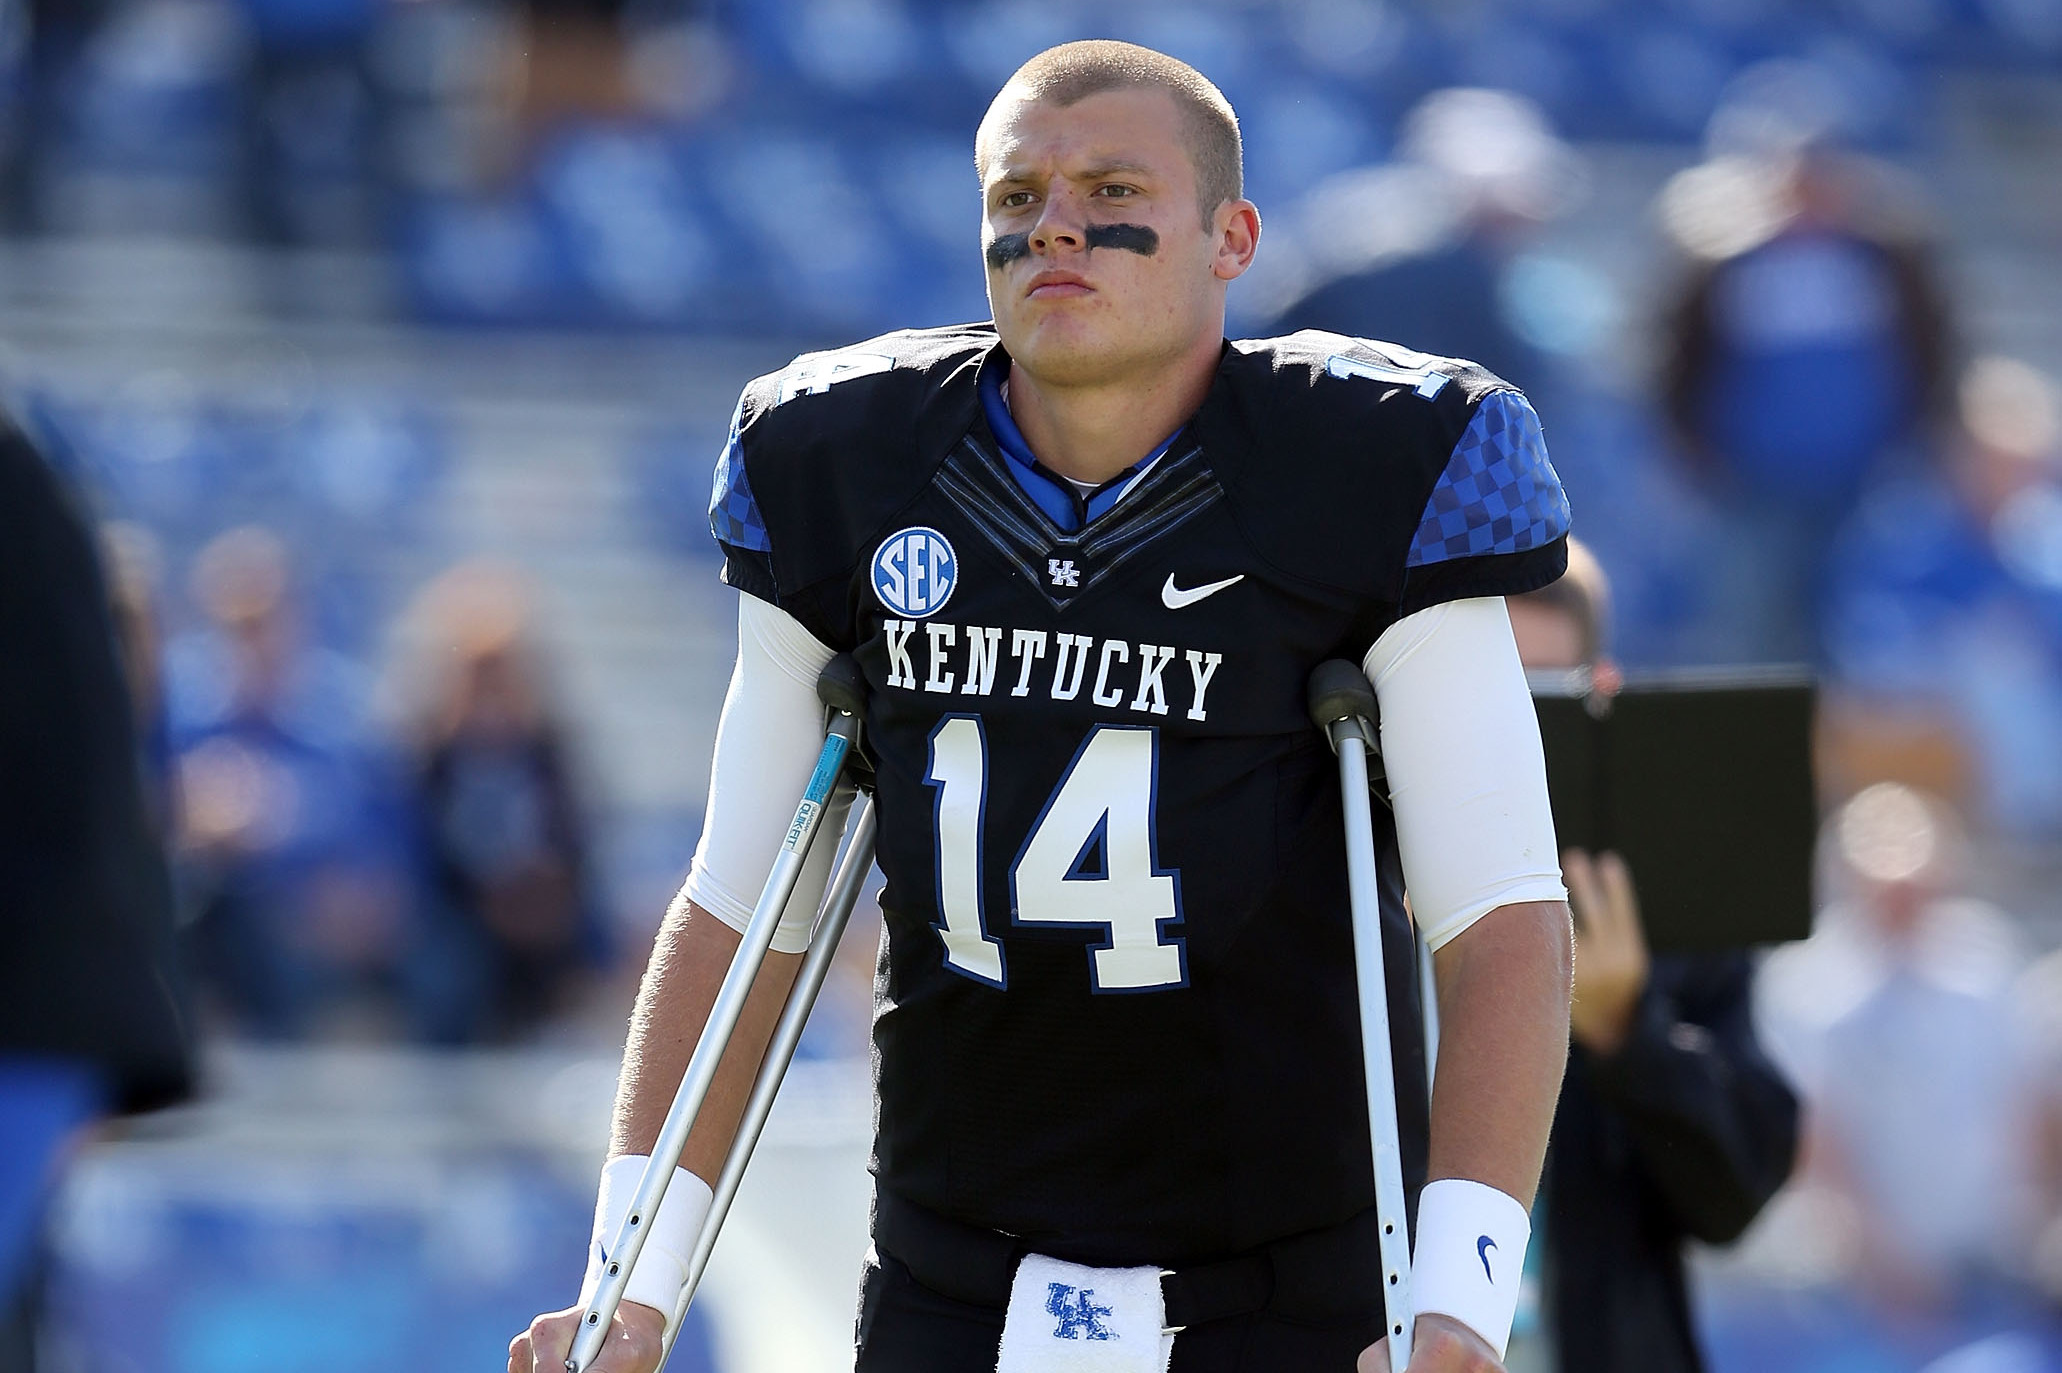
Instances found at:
x=1087 y=556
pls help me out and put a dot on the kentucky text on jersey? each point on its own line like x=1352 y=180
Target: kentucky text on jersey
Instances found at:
x=1130 y=675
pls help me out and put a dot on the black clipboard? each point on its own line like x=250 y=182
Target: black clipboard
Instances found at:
x=1702 y=780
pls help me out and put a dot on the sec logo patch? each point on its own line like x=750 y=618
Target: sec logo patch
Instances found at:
x=914 y=572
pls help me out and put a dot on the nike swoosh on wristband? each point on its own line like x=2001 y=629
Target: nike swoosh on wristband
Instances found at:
x=1174 y=598
x=1482 y=1248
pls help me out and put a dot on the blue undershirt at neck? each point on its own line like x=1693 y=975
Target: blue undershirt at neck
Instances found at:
x=1063 y=502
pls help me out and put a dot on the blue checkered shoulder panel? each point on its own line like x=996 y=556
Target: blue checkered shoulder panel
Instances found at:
x=1498 y=494
x=733 y=514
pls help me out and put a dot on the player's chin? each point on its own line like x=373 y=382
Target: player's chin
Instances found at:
x=1066 y=350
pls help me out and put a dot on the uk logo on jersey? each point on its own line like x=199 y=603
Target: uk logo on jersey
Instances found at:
x=914 y=571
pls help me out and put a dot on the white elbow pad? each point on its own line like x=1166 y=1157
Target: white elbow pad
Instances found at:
x=1467 y=777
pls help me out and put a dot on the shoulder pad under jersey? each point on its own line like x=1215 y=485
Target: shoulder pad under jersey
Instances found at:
x=1357 y=463
x=826 y=449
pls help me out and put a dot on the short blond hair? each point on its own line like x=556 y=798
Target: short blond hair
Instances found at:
x=1072 y=72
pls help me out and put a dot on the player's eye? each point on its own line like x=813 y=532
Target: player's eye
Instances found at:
x=1116 y=191
x=1016 y=200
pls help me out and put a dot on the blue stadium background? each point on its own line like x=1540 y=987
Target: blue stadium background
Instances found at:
x=308 y=265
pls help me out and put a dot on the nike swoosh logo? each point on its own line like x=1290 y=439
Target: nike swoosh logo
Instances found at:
x=1482 y=1248
x=1174 y=598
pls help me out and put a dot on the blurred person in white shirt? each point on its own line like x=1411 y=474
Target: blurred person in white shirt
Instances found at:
x=2039 y=995
x=1897 y=1021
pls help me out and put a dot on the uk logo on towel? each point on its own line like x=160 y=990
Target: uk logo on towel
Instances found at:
x=1080 y=1317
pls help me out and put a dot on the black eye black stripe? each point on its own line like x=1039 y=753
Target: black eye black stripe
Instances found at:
x=1132 y=238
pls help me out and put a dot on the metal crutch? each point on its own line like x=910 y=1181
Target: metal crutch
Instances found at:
x=823 y=949
x=1342 y=704
x=841 y=687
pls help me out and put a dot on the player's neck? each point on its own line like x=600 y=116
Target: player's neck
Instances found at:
x=1092 y=433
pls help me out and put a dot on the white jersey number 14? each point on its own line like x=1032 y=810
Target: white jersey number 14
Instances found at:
x=1089 y=860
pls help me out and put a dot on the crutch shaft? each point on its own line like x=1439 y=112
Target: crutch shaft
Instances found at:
x=787 y=1036
x=1372 y=982
x=628 y=1242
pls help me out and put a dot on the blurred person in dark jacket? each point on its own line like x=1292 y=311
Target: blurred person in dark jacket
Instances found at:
x=92 y=1016
x=1807 y=348
x=511 y=932
x=1673 y=1124
x=1420 y=249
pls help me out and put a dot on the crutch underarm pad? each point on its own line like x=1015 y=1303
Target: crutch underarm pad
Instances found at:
x=1339 y=690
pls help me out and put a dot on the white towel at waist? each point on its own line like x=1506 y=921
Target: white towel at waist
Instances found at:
x=1066 y=1318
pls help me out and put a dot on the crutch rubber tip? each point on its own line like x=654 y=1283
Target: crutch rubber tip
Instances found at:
x=842 y=686
x=1339 y=690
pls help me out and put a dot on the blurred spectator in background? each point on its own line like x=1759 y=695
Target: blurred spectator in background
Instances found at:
x=1807 y=348
x=133 y=573
x=568 y=61
x=511 y=931
x=1897 y=1020
x=1945 y=604
x=49 y=38
x=295 y=889
x=312 y=144
x=91 y=1012
x=1418 y=250
x=1673 y=1124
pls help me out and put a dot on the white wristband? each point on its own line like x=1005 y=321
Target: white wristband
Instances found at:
x=661 y=1271
x=1470 y=1256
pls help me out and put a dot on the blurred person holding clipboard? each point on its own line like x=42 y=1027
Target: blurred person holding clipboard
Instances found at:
x=1673 y=1124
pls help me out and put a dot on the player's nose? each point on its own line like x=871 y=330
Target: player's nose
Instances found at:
x=1061 y=227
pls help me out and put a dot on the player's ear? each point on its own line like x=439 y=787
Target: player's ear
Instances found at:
x=1236 y=228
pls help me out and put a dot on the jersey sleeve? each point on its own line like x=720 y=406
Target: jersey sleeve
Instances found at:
x=736 y=521
x=1497 y=520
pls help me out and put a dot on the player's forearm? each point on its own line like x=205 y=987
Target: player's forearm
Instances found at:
x=1503 y=1042
x=689 y=958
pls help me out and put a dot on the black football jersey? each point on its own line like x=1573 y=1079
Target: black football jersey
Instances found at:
x=1116 y=1010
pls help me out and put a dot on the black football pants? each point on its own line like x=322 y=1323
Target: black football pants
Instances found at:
x=905 y=1327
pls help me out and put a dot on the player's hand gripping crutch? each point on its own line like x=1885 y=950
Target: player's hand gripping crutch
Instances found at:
x=842 y=689
x=1342 y=704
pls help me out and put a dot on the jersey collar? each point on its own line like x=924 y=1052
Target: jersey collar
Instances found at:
x=1063 y=503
